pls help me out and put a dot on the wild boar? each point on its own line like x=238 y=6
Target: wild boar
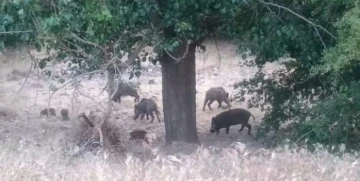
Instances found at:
x=229 y=118
x=125 y=89
x=138 y=134
x=64 y=114
x=46 y=112
x=216 y=94
x=146 y=106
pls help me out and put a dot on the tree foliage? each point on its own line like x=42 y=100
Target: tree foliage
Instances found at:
x=317 y=90
x=80 y=29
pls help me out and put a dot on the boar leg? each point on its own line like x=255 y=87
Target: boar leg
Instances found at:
x=242 y=127
x=227 y=102
x=249 y=127
x=142 y=116
x=219 y=101
x=117 y=98
x=210 y=102
x=152 y=117
x=227 y=129
x=206 y=100
x=137 y=97
x=157 y=115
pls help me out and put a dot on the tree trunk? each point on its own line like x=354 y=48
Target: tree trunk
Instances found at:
x=178 y=82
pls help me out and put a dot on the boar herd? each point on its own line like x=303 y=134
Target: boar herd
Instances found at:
x=51 y=111
x=147 y=106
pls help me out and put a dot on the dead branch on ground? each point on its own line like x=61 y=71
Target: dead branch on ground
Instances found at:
x=87 y=120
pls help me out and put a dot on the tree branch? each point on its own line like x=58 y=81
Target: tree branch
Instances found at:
x=301 y=17
x=81 y=93
x=135 y=53
x=27 y=76
x=322 y=41
x=142 y=44
x=183 y=56
x=89 y=43
x=13 y=32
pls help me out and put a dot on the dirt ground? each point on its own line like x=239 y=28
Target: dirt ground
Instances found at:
x=26 y=124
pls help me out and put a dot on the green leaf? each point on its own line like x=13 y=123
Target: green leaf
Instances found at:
x=223 y=10
x=175 y=44
x=89 y=4
x=21 y=12
x=17 y=2
x=67 y=16
x=90 y=32
x=217 y=5
x=278 y=32
x=106 y=13
x=176 y=5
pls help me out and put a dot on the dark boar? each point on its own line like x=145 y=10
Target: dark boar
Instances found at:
x=216 y=94
x=146 y=106
x=46 y=112
x=65 y=114
x=231 y=117
x=125 y=89
x=138 y=134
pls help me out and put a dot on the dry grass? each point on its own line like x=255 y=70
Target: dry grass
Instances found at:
x=28 y=162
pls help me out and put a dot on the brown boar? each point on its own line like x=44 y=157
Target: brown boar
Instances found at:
x=216 y=94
